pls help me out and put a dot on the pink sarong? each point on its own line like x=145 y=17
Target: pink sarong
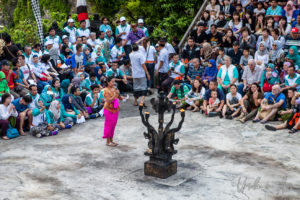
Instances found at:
x=110 y=123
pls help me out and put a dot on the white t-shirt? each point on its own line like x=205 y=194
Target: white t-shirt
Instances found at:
x=137 y=59
x=170 y=48
x=230 y=97
x=26 y=70
x=83 y=32
x=164 y=57
x=93 y=43
x=149 y=53
x=72 y=33
x=115 y=52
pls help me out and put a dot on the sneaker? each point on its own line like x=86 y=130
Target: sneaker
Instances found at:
x=54 y=132
x=68 y=126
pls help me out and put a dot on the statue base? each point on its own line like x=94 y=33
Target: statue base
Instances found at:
x=160 y=169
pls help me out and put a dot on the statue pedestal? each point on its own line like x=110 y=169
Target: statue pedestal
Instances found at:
x=160 y=169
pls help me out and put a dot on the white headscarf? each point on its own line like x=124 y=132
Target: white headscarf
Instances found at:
x=54 y=109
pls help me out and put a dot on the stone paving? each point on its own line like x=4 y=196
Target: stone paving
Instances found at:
x=217 y=159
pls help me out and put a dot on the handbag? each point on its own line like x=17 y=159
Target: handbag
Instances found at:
x=12 y=132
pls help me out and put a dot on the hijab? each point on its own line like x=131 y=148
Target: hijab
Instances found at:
x=213 y=70
x=76 y=82
x=47 y=98
x=265 y=51
x=66 y=103
x=274 y=72
x=207 y=50
x=295 y=57
x=54 y=109
x=275 y=54
x=289 y=13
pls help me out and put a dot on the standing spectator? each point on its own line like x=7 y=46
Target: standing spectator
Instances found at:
x=149 y=53
x=142 y=27
x=122 y=31
x=176 y=70
x=163 y=65
x=140 y=75
x=134 y=35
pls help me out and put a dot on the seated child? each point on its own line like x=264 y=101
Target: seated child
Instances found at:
x=213 y=102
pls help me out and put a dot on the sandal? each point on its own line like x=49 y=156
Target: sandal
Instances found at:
x=270 y=128
x=255 y=120
x=293 y=131
x=135 y=104
x=5 y=138
x=110 y=144
x=263 y=121
x=116 y=144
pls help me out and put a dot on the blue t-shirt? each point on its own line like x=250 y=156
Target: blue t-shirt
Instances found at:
x=219 y=92
x=19 y=107
x=270 y=97
x=21 y=76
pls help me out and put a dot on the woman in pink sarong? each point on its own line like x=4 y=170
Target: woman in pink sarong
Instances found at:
x=111 y=110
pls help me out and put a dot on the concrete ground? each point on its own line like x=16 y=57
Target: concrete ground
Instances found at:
x=217 y=159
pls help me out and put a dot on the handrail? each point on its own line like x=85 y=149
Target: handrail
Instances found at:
x=192 y=25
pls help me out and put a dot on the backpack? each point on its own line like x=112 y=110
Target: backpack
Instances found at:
x=12 y=132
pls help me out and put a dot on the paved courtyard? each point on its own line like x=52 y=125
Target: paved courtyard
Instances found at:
x=217 y=159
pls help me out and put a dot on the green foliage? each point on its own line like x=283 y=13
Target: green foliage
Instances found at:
x=24 y=33
x=167 y=17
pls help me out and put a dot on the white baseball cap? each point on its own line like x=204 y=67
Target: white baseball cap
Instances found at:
x=122 y=19
x=70 y=20
x=140 y=21
x=49 y=42
x=64 y=37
